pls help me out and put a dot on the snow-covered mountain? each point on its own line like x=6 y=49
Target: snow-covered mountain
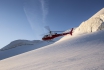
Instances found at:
x=95 y=23
x=77 y=52
x=99 y=13
x=21 y=46
x=18 y=43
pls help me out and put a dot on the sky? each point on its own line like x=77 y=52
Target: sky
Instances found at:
x=26 y=19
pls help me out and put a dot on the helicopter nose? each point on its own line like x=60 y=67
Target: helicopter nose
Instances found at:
x=42 y=38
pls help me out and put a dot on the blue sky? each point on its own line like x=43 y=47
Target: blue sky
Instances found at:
x=25 y=19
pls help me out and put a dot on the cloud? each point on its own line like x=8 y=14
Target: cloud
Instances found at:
x=44 y=4
x=36 y=12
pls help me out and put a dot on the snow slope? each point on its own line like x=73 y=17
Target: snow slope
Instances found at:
x=79 y=52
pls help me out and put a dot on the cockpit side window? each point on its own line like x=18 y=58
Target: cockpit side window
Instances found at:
x=45 y=36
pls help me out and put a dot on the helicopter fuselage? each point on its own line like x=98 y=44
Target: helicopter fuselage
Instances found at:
x=50 y=37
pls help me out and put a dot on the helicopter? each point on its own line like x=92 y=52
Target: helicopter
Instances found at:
x=52 y=35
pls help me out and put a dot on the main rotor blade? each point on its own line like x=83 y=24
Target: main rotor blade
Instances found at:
x=57 y=31
x=47 y=27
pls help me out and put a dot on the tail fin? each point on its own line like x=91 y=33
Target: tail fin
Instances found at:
x=71 y=31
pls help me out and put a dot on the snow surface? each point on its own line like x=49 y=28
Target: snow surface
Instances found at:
x=82 y=52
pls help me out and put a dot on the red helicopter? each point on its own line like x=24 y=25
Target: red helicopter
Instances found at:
x=51 y=36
